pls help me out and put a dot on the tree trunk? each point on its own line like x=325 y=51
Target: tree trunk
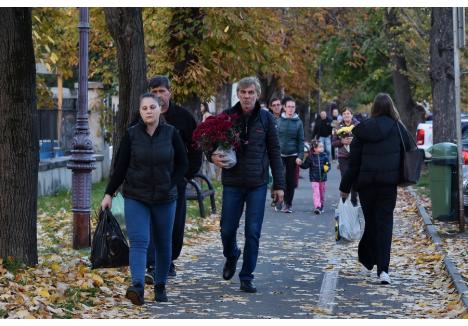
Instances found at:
x=19 y=147
x=192 y=104
x=411 y=113
x=185 y=35
x=126 y=28
x=303 y=110
x=223 y=97
x=442 y=76
x=269 y=88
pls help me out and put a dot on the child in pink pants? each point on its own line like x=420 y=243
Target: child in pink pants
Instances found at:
x=318 y=165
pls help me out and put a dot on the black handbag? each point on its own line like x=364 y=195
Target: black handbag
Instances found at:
x=109 y=246
x=411 y=161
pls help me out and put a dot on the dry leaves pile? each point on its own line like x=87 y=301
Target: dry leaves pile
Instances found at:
x=454 y=243
x=62 y=285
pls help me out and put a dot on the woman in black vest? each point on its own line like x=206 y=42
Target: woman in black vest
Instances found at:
x=374 y=171
x=150 y=162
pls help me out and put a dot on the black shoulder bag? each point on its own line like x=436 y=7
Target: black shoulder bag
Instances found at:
x=411 y=161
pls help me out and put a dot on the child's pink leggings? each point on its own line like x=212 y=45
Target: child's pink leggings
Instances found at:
x=318 y=189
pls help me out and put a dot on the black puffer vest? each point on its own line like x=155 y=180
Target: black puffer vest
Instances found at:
x=148 y=177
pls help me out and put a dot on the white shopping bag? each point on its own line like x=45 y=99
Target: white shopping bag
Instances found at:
x=229 y=156
x=350 y=220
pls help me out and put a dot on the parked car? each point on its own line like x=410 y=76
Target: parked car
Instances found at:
x=424 y=137
x=465 y=188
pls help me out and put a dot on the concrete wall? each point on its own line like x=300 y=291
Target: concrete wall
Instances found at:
x=54 y=175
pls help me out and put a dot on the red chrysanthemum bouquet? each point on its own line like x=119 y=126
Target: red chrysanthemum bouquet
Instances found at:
x=218 y=135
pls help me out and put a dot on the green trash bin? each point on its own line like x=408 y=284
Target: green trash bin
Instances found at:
x=442 y=180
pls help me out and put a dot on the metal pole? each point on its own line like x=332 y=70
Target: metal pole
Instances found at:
x=82 y=160
x=457 y=41
x=319 y=78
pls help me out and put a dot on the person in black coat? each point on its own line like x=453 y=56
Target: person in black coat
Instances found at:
x=185 y=123
x=150 y=162
x=323 y=130
x=374 y=171
x=245 y=184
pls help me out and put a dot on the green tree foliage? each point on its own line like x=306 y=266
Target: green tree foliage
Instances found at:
x=55 y=36
x=356 y=59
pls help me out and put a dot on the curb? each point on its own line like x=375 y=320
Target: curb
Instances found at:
x=451 y=268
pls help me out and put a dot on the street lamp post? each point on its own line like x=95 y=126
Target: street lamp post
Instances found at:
x=82 y=160
x=459 y=43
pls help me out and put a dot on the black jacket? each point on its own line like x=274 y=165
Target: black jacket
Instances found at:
x=150 y=167
x=322 y=128
x=316 y=163
x=185 y=123
x=260 y=149
x=375 y=157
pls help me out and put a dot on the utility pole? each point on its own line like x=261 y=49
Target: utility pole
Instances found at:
x=319 y=78
x=459 y=43
x=82 y=160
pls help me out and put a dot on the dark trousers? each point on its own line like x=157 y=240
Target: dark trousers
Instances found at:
x=289 y=164
x=344 y=165
x=177 y=230
x=378 y=203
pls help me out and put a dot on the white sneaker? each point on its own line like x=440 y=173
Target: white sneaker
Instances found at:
x=384 y=278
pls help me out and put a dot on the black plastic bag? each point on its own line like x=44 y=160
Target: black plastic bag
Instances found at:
x=109 y=246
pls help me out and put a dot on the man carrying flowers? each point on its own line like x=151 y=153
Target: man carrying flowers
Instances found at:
x=245 y=183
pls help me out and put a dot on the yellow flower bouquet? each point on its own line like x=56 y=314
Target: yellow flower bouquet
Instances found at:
x=345 y=132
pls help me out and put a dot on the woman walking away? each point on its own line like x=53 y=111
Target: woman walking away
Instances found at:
x=341 y=140
x=291 y=137
x=374 y=171
x=151 y=161
x=318 y=164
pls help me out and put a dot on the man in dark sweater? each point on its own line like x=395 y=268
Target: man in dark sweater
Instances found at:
x=185 y=123
x=323 y=130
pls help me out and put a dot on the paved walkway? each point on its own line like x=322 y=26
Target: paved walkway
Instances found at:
x=303 y=273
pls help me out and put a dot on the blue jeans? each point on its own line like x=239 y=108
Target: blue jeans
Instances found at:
x=233 y=206
x=178 y=228
x=138 y=218
x=326 y=141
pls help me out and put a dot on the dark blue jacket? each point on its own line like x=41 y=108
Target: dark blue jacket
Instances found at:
x=315 y=163
x=260 y=150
